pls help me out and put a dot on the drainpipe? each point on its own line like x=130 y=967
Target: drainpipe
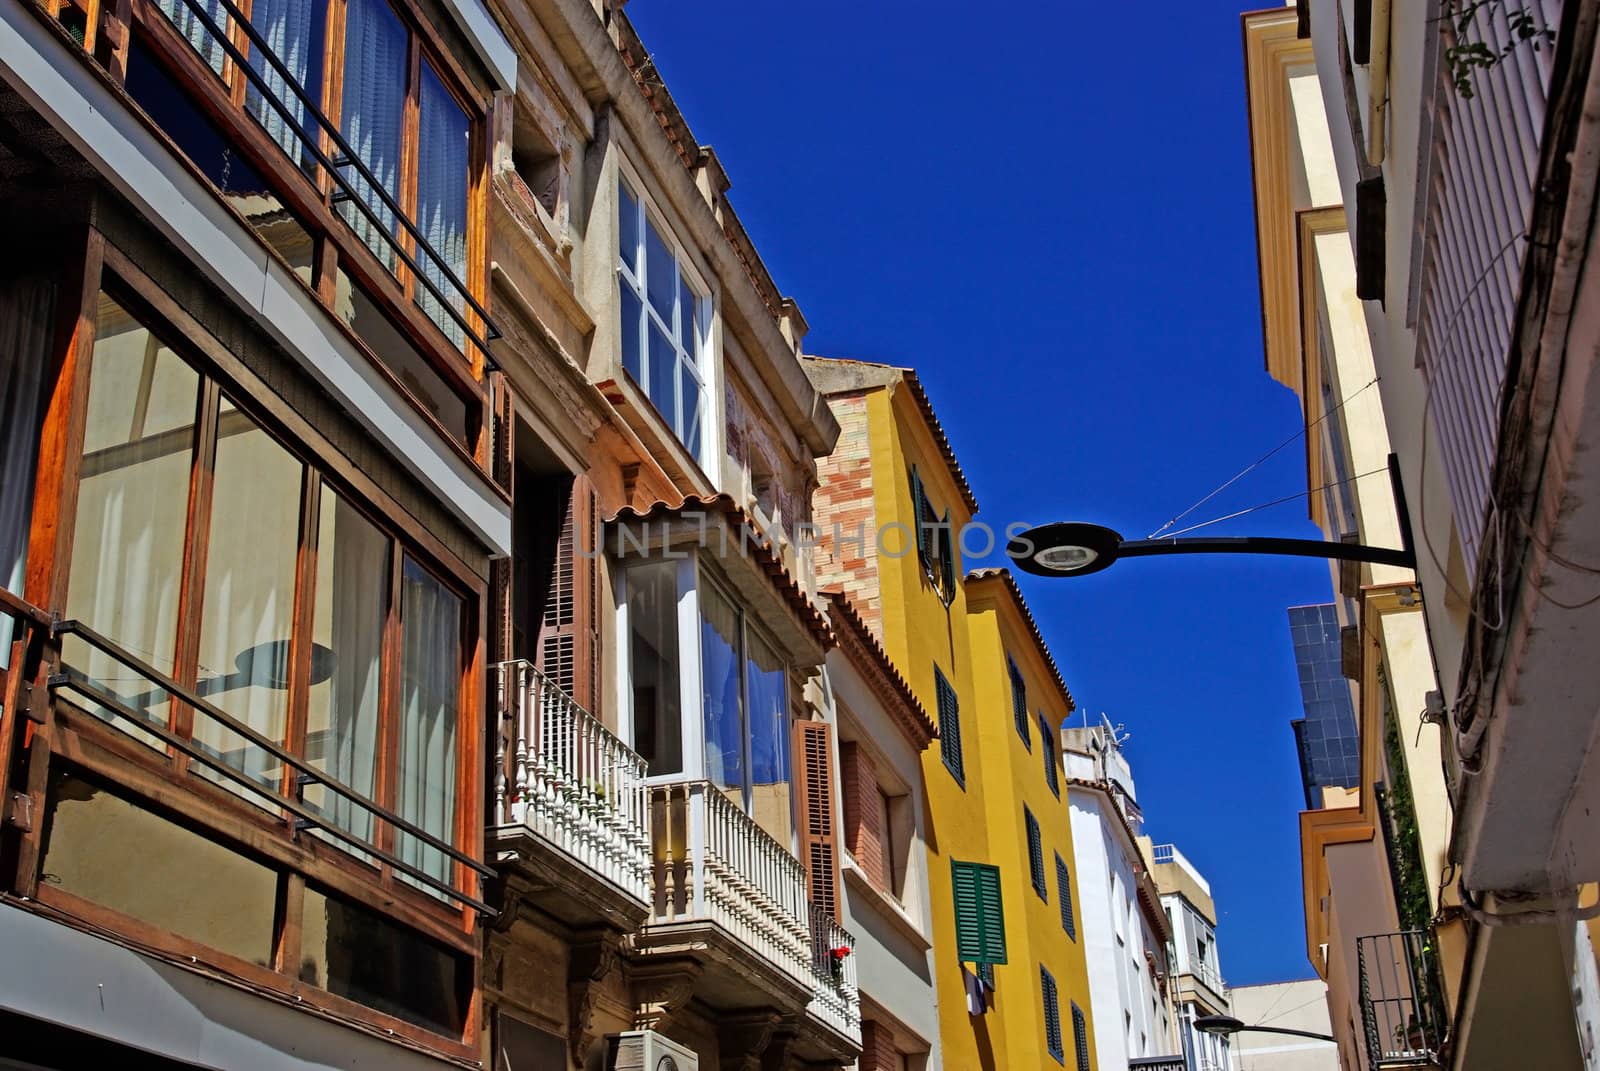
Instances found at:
x=1378 y=83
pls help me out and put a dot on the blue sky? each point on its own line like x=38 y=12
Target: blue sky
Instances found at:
x=1046 y=209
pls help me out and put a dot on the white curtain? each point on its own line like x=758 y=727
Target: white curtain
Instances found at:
x=189 y=24
x=25 y=309
x=375 y=46
x=443 y=140
x=430 y=700
x=286 y=25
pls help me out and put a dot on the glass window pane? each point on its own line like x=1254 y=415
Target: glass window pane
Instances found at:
x=632 y=312
x=127 y=548
x=248 y=612
x=443 y=138
x=659 y=272
x=195 y=30
x=653 y=659
x=768 y=698
x=371 y=109
x=347 y=619
x=430 y=708
x=628 y=230
x=693 y=402
x=354 y=952
x=721 y=701
x=687 y=312
x=294 y=31
x=100 y=846
x=663 y=360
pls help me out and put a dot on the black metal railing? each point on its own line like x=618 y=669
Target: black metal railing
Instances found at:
x=1402 y=1001
x=346 y=158
x=305 y=815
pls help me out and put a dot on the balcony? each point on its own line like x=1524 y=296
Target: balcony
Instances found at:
x=713 y=866
x=1402 y=1002
x=569 y=800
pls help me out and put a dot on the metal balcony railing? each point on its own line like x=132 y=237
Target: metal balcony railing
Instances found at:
x=836 y=1000
x=569 y=779
x=1402 y=1003
x=355 y=184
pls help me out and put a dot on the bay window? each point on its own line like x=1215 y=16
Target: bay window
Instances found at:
x=326 y=669
x=741 y=737
x=663 y=322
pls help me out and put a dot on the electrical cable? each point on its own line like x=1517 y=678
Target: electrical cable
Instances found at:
x=1275 y=502
x=1258 y=462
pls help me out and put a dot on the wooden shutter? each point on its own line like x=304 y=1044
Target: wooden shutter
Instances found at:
x=980 y=917
x=1080 y=1037
x=918 y=498
x=1019 y=704
x=568 y=650
x=1052 y=1013
x=947 y=558
x=1052 y=772
x=949 y=726
x=1064 y=894
x=1035 y=852
x=813 y=743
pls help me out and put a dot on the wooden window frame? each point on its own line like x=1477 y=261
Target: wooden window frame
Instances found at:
x=161 y=782
x=311 y=199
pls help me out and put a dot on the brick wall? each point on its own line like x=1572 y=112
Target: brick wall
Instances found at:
x=877 y=1048
x=863 y=835
x=846 y=522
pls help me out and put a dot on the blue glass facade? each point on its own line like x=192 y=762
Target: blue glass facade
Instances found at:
x=1326 y=736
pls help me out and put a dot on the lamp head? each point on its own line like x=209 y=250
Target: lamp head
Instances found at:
x=1066 y=548
x=1222 y=1025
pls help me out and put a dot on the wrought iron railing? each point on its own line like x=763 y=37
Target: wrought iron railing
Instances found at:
x=337 y=166
x=836 y=1000
x=1402 y=1002
x=569 y=779
x=305 y=816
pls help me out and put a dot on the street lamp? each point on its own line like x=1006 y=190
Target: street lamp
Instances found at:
x=1227 y=1025
x=1075 y=548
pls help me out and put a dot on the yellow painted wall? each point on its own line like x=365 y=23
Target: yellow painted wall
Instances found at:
x=1014 y=776
x=979 y=820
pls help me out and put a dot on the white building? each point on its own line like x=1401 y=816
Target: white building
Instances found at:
x=1123 y=927
x=1197 y=985
x=1298 y=1005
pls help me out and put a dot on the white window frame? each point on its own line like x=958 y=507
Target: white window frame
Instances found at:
x=699 y=364
x=692 y=578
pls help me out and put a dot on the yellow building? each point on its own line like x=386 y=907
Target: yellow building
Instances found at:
x=890 y=508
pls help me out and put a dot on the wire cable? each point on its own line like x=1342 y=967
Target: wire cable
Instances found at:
x=1258 y=462
x=1275 y=502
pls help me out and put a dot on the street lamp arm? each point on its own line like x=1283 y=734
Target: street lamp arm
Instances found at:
x=1290 y=1031
x=1227 y=1026
x=1303 y=548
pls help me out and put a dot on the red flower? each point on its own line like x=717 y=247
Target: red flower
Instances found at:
x=839 y=953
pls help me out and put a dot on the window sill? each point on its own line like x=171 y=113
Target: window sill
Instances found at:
x=645 y=420
x=884 y=905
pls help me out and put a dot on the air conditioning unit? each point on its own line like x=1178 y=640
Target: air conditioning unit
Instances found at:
x=646 y=1050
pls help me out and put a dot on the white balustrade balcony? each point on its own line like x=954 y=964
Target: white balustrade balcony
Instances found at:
x=569 y=780
x=712 y=863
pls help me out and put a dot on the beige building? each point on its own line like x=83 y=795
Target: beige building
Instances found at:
x=1299 y=1005
x=1196 y=987
x=1410 y=206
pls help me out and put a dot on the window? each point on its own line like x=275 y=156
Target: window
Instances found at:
x=664 y=322
x=935 y=548
x=746 y=708
x=980 y=916
x=146 y=421
x=1019 y=704
x=949 y=726
x=1052 y=1015
x=1064 y=898
x=1052 y=762
x=652 y=601
x=1080 y=1037
x=1035 y=852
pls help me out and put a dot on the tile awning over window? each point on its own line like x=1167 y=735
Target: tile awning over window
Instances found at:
x=716 y=528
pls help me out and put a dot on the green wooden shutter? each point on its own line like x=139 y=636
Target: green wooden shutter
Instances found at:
x=947 y=558
x=980 y=917
x=1052 y=1014
x=918 y=498
x=1035 y=853
x=1080 y=1037
x=1052 y=772
x=1064 y=895
x=1019 y=703
x=949 y=726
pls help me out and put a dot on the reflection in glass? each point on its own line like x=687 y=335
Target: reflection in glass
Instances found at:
x=105 y=849
x=628 y=235
x=653 y=661
x=355 y=953
x=719 y=669
x=430 y=707
x=768 y=698
x=294 y=31
x=372 y=114
x=133 y=494
x=347 y=617
x=248 y=608
x=442 y=164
